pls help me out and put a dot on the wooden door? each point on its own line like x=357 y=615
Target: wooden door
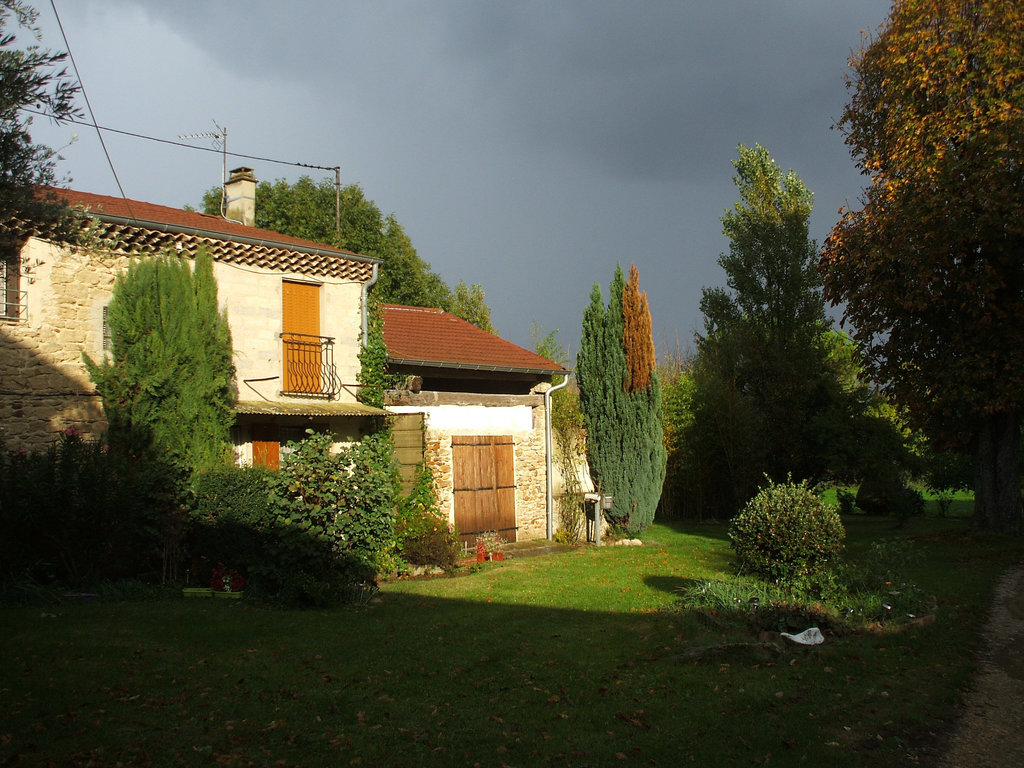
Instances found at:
x=266 y=445
x=301 y=316
x=483 y=472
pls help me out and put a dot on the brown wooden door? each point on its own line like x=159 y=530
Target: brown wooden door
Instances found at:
x=266 y=445
x=483 y=471
x=300 y=315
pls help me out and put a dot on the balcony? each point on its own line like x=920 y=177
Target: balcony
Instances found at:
x=309 y=366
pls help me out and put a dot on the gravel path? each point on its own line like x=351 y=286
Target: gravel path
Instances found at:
x=990 y=733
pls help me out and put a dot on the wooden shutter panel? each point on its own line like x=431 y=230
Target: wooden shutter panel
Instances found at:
x=301 y=315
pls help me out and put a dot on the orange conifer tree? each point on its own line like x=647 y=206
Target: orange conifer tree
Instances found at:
x=637 y=338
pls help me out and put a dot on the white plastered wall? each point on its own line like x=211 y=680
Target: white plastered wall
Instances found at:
x=253 y=300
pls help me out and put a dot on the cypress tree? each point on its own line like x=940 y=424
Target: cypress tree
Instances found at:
x=169 y=382
x=621 y=402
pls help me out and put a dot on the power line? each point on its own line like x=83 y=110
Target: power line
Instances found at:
x=133 y=135
x=223 y=134
x=88 y=105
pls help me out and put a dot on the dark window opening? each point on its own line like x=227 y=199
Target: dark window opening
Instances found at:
x=10 y=286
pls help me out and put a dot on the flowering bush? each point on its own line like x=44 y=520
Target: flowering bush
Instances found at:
x=224 y=579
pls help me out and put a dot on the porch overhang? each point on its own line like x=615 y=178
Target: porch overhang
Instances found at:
x=265 y=408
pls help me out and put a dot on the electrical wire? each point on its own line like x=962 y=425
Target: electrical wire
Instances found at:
x=143 y=136
x=100 y=129
x=88 y=105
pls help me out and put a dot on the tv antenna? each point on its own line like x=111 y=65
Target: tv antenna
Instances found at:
x=220 y=141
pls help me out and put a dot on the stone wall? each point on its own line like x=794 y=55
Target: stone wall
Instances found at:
x=253 y=300
x=44 y=385
x=525 y=423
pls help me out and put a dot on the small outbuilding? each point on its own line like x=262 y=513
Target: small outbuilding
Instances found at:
x=472 y=407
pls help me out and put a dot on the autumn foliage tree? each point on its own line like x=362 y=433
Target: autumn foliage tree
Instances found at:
x=931 y=268
x=620 y=398
x=637 y=337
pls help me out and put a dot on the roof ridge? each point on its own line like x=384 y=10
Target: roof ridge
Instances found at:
x=436 y=310
x=136 y=210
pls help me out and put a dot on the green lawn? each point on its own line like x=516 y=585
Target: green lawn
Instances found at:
x=564 y=660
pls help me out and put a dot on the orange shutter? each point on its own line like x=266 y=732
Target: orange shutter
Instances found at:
x=301 y=315
x=265 y=445
x=301 y=308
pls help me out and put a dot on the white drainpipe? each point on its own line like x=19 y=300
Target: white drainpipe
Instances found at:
x=365 y=316
x=548 y=452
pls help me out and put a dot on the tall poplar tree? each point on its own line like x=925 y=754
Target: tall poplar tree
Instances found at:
x=764 y=331
x=170 y=377
x=621 y=402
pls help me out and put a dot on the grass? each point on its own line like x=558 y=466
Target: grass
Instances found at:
x=571 y=659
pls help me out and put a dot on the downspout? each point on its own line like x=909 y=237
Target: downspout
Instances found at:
x=366 y=303
x=549 y=517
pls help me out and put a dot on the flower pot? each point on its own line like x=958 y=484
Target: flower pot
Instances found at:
x=497 y=556
x=481 y=557
x=228 y=595
x=197 y=592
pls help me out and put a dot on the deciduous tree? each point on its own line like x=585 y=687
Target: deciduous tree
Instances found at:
x=470 y=303
x=307 y=209
x=762 y=343
x=772 y=390
x=930 y=269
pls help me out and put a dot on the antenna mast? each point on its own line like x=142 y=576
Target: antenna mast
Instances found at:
x=220 y=141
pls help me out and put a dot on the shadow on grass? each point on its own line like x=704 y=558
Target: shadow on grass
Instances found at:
x=470 y=670
x=672 y=585
x=711 y=530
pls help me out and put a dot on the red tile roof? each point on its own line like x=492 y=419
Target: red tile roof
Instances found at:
x=136 y=228
x=145 y=213
x=435 y=338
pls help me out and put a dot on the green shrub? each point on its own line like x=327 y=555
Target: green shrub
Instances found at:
x=345 y=500
x=847 y=501
x=233 y=518
x=81 y=513
x=887 y=495
x=423 y=535
x=305 y=534
x=786 y=532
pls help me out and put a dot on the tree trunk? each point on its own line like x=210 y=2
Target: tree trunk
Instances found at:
x=997 y=506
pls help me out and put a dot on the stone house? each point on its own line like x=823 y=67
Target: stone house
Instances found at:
x=297 y=312
x=479 y=403
x=474 y=406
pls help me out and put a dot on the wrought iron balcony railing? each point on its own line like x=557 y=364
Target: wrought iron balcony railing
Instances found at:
x=309 y=366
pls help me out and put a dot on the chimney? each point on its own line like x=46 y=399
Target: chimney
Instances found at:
x=240 y=196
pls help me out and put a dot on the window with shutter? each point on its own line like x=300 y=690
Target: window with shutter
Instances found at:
x=301 y=337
